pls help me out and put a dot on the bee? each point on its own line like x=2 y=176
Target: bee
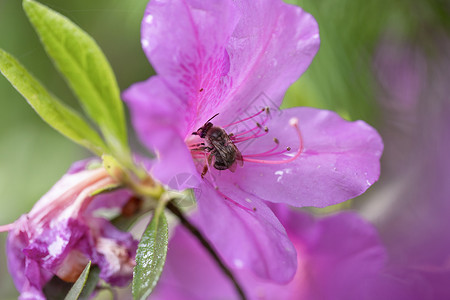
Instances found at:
x=223 y=152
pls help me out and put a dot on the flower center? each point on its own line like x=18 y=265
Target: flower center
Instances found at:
x=213 y=146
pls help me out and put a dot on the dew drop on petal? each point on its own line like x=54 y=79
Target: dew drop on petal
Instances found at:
x=279 y=173
x=148 y=19
x=238 y=263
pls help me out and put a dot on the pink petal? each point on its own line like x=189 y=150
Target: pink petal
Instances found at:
x=340 y=160
x=271 y=47
x=190 y=272
x=161 y=126
x=185 y=42
x=340 y=257
x=223 y=56
x=252 y=238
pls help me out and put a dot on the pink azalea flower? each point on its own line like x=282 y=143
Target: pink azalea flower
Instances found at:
x=340 y=257
x=414 y=217
x=227 y=61
x=63 y=232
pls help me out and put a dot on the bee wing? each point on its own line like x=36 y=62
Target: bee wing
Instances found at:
x=239 y=157
x=220 y=149
x=239 y=160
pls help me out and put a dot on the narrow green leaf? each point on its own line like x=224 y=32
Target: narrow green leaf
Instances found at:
x=78 y=286
x=48 y=107
x=150 y=256
x=91 y=283
x=85 y=68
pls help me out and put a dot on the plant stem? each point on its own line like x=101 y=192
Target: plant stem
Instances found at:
x=188 y=225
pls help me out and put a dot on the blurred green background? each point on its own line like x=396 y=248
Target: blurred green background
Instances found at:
x=33 y=156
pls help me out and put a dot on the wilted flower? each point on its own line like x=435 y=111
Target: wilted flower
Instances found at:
x=65 y=230
x=340 y=257
x=230 y=62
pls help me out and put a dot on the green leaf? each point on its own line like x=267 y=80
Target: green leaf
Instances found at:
x=49 y=108
x=77 y=56
x=91 y=283
x=85 y=284
x=150 y=256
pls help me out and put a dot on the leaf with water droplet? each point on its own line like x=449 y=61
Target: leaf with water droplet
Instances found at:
x=151 y=255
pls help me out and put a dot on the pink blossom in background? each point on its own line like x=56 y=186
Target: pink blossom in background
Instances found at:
x=63 y=232
x=412 y=204
x=340 y=257
x=234 y=59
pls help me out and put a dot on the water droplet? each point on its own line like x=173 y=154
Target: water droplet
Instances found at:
x=238 y=263
x=149 y=19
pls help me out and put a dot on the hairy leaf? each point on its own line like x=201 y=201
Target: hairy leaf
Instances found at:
x=150 y=256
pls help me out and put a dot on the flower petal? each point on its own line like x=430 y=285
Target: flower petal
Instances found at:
x=185 y=42
x=340 y=160
x=115 y=252
x=27 y=275
x=251 y=238
x=61 y=235
x=271 y=47
x=190 y=272
x=340 y=257
x=159 y=124
x=222 y=56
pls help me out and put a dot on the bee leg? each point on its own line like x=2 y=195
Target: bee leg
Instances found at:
x=203 y=148
x=210 y=159
x=197 y=145
x=205 y=170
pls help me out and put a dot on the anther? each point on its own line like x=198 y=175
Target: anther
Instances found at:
x=201 y=90
x=288 y=148
x=259 y=125
x=266 y=129
x=276 y=141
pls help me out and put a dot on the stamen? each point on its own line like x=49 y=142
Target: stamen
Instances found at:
x=259 y=126
x=277 y=143
x=213 y=183
x=294 y=123
x=232 y=201
x=6 y=227
x=256 y=135
x=243 y=120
